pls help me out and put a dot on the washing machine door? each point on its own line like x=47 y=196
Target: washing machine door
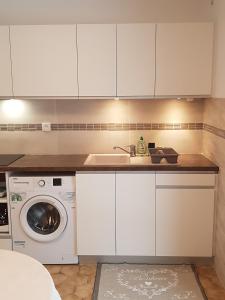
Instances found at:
x=43 y=218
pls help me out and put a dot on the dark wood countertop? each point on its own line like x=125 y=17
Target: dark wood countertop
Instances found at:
x=71 y=163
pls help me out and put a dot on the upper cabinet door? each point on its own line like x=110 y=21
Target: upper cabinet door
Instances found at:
x=44 y=60
x=97 y=60
x=5 y=63
x=135 y=59
x=184 y=59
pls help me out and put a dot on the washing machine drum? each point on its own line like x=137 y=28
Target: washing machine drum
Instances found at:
x=43 y=218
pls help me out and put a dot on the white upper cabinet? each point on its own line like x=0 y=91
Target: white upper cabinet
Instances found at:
x=135 y=59
x=96 y=45
x=5 y=63
x=44 y=60
x=184 y=59
x=106 y=60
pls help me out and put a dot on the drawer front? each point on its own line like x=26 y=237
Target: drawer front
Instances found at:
x=185 y=180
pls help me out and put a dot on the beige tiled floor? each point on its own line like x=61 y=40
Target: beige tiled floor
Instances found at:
x=210 y=283
x=75 y=282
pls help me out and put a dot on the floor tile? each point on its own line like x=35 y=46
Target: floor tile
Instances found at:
x=210 y=283
x=76 y=282
x=73 y=282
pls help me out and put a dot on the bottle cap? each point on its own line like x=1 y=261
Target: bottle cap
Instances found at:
x=151 y=145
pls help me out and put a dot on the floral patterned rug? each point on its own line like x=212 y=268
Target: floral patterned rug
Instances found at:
x=146 y=282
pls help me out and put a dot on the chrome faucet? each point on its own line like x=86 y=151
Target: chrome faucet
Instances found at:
x=132 y=151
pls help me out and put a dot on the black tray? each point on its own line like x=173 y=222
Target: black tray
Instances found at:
x=157 y=154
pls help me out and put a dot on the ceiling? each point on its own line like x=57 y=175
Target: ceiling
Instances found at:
x=102 y=11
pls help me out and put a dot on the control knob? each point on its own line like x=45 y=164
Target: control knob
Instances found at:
x=41 y=183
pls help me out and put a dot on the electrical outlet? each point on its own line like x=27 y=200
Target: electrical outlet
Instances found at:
x=46 y=127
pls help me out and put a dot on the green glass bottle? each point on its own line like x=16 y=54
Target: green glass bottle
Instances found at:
x=141 y=146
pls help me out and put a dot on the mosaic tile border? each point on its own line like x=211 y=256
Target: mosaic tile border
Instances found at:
x=104 y=126
x=115 y=127
x=214 y=130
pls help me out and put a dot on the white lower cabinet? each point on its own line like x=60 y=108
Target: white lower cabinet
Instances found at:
x=135 y=213
x=140 y=213
x=95 y=213
x=184 y=222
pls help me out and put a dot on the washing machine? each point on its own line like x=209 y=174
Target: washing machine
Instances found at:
x=43 y=213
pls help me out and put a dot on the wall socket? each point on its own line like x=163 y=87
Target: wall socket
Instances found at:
x=46 y=127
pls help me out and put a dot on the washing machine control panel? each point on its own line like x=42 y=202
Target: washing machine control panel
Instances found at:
x=57 y=181
x=16 y=197
x=47 y=184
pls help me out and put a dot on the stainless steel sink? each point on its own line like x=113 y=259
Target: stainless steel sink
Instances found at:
x=107 y=159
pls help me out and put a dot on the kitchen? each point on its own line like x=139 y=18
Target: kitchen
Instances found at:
x=80 y=81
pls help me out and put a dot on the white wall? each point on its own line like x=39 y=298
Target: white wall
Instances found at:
x=219 y=58
x=213 y=148
x=102 y=11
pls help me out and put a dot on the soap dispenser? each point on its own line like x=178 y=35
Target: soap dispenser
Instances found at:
x=141 y=146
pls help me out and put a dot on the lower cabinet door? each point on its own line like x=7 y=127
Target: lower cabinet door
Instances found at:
x=184 y=222
x=95 y=194
x=135 y=213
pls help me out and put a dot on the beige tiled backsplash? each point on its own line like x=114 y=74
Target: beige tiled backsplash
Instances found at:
x=106 y=111
x=91 y=141
x=95 y=126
